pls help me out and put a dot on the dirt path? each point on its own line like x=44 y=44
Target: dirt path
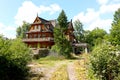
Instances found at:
x=48 y=72
x=72 y=65
x=71 y=71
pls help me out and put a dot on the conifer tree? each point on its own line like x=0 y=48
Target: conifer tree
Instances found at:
x=62 y=45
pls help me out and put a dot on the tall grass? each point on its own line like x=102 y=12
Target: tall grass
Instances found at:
x=60 y=74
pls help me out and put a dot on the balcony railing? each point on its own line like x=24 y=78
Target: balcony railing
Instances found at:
x=38 y=39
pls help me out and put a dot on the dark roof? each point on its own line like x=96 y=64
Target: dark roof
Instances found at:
x=70 y=25
x=43 y=20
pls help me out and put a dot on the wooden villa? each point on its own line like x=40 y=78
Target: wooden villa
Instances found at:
x=40 y=34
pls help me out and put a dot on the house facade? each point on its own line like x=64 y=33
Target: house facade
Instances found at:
x=40 y=34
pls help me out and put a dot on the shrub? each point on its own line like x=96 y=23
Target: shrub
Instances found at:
x=105 y=62
x=14 y=56
x=41 y=53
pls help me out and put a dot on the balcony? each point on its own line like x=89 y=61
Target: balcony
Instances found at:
x=38 y=39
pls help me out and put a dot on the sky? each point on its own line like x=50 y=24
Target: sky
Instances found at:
x=92 y=13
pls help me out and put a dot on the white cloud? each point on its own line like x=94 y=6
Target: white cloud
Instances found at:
x=103 y=24
x=87 y=17
x=92 y=19
x=51 y=9
x=102 y=2
x=28 y=11
x=7 y=31
x=109 y=8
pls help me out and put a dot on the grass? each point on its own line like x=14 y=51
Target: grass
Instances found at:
x=80 y=67
x=52 y=58
x=60 y=73
x=48 y=61
x=80 y=70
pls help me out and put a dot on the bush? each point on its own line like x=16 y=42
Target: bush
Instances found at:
x=105 y=62
x=14 y=56
x=41 y=53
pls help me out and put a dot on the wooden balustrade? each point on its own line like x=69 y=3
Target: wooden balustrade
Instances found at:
x=38 y=39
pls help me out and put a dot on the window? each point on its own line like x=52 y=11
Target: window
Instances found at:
x=35 y=35
x=39 y=28
x=30 y=36
x=39 y=35
x=35 y=27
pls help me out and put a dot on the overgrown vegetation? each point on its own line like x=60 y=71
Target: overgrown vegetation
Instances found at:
x=81 y=67
x=14 y=56
x=105 y=58
x=95 y=37
x=60 y=73
x=104 y=62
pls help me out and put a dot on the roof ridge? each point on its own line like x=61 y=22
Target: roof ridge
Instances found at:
x=43 y=19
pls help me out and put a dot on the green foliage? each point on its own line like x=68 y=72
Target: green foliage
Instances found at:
x=115 y=31
x=105 y=62
x=19 y=50
x=62 y=20
x=22 y=29
x=79 y=32
x=52 y=58
x=62 y=45
x=95 y=37
x=14 y=56
x=116 y=17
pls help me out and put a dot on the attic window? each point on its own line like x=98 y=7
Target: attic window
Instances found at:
x=37 y=20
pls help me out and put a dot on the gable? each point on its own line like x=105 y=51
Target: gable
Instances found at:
x=37 y=20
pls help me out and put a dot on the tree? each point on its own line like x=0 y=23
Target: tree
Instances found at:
x=14 y=56
x=115 y=30
x=104 y=62
x=22 y=29
x=62 y=45
x=95 y=37
x=62 y=20
x=79 y=32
